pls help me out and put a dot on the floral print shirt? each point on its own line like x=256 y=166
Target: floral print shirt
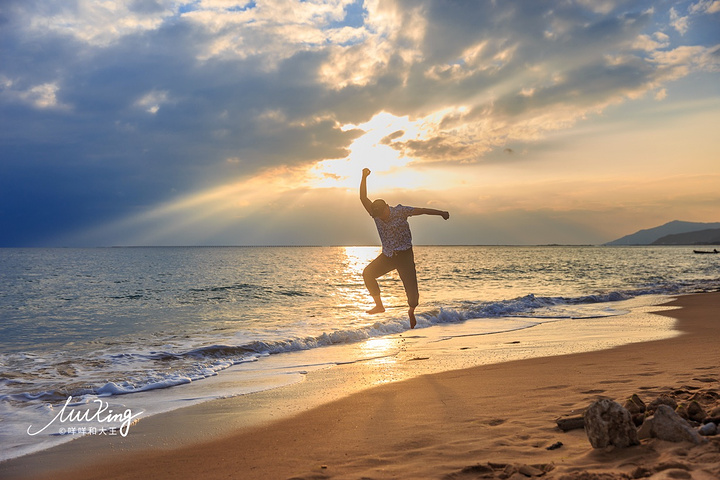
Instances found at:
x=395 y=234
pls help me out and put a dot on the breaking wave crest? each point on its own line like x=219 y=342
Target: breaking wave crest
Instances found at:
x=140 y=371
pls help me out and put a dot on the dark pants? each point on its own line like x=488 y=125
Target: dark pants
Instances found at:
x=404 y=263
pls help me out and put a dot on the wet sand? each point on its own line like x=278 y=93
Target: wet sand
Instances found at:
x=480 y=422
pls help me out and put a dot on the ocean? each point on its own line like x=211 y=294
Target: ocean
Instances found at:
x=118 y=334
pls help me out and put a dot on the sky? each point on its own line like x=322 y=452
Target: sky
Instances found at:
x=223 y=122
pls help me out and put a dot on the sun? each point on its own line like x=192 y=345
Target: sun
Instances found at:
x=371 y=150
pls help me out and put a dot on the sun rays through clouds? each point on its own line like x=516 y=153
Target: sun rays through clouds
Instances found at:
x=194 y=117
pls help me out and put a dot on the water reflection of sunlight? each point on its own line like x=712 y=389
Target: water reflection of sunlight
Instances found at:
x=357 y=258
x=382 y=363
x=380 y=350
x=379 y=355
x=352 y=293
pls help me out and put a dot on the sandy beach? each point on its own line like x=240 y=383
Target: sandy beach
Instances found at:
x=491 y=421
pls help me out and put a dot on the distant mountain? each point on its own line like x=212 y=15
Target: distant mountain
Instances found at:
x=650 y=235
x=701 y=237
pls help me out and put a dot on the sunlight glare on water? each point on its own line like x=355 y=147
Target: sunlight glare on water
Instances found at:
x=354 y=294
x=118 y=321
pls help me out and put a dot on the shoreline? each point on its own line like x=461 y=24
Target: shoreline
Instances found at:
x=415 y=428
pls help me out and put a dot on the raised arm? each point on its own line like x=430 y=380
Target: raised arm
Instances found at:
x=363 y=191
x=431 y=211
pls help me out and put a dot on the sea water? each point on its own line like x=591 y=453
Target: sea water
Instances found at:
x=114 y=334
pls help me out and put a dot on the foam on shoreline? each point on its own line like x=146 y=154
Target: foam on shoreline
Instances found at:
x=300 y=380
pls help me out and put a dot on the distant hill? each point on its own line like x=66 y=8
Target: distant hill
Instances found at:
x=701 y=237
x=650 y=235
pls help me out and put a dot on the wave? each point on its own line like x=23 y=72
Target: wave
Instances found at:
x=248 y=289
x=136 y=372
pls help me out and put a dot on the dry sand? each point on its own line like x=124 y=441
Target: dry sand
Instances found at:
x=481 y=422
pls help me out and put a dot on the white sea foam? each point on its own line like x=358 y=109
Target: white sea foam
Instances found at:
x=156 y=328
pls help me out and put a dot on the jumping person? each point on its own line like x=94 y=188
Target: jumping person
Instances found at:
x=397 y=253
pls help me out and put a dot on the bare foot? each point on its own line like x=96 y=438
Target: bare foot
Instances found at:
x=411 y=314
x=377 y=309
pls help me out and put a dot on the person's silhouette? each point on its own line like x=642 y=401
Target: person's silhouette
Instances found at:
x=397 y=253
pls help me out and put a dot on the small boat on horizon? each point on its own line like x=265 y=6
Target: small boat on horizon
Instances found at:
x=705 y=251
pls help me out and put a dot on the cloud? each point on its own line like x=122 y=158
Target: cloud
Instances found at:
x=473 y=78
x=649 y=43
x=96 y=23
x=694 y=11
x=681 y=61
x=705 y=7
x=42 y=96
x=151 y=101
x=273 y=30
x=144 y=99
x=680 y=23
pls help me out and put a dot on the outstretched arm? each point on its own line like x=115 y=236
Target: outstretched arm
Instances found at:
x=431 y=211
x=363 y=191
